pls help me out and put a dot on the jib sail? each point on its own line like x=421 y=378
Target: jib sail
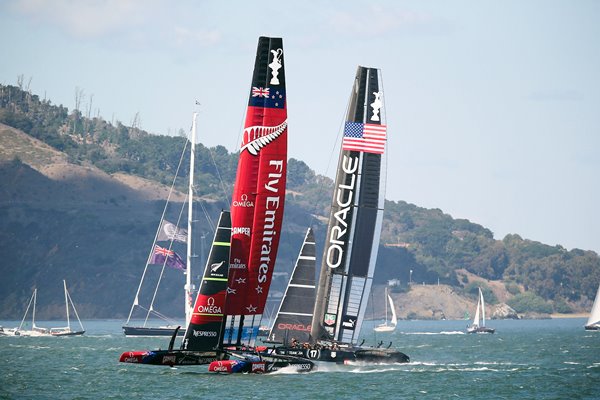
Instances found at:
x=295 y=313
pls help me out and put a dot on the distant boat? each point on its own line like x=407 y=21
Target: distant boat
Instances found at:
x=67 y=331
x=391 y=325
x=478 y=325
x=593 y=322
x=40 y=331
x=35 y=330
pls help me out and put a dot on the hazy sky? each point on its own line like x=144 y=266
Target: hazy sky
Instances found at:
x=493 y=107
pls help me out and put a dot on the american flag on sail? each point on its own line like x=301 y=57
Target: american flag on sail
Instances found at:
x=369 y=138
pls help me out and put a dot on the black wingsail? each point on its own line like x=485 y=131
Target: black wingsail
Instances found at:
x=204 y=332
x=295 y=313
x=355 y=221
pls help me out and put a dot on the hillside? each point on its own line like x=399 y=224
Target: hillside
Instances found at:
x=81 y=199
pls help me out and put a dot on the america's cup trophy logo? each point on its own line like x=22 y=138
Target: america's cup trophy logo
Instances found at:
x=275 y=65
x=376 y=104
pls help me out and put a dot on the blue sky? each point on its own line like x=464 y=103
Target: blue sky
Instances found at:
x=493 y=107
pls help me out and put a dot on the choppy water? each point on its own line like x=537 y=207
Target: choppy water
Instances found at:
x=545 y=359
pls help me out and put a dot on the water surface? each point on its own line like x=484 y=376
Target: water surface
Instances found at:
x=529 y=359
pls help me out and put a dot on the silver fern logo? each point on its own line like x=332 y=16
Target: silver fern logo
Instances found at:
x=257 y=137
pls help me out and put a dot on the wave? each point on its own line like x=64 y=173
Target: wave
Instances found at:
x=435 y=333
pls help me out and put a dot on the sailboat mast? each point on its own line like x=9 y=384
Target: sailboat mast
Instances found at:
x=189 y=288
x=27 y=310
x=34 y=301
x=67 y=304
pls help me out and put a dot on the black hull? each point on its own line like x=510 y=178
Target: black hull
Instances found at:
x=264 y=332
x=592 y=327
x=75 y=333
x=261 y=365
x=169 y=358
x=347 y=355
x=481 y=330
x=219 y=361
x=150 y=331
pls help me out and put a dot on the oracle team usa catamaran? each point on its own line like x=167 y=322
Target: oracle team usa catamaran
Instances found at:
x=352 y=239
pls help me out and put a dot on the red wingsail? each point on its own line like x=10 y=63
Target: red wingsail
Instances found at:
x=259 y=191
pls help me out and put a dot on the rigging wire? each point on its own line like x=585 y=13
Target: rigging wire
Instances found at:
x=171 y=190
x=225 y=195
x=183 y=205
x=332 y=154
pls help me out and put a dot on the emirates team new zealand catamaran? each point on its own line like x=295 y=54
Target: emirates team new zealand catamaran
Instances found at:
x=233 y=292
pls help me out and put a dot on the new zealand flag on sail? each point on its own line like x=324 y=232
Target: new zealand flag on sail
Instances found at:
x=271 y=97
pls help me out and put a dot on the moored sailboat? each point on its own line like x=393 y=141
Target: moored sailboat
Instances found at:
x=168 y=257
x=478 y=325
x=66 y=330
x=36 y=330
x=593 y=322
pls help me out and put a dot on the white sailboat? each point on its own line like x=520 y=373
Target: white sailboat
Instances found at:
x=391 y=325
x=67 y=331
x=35 y=330
x=593 y=322
x=40 y=331
x=476 y=326
x=170 y=232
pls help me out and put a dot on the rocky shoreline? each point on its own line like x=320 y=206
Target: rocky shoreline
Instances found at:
x=438 y=302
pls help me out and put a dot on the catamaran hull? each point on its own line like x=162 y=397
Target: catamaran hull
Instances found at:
x=347 y=355
x=592 y=327
x=259 y=367
x=481 y=330
x=168 y=357
x=150 y=331
x=384 y=328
